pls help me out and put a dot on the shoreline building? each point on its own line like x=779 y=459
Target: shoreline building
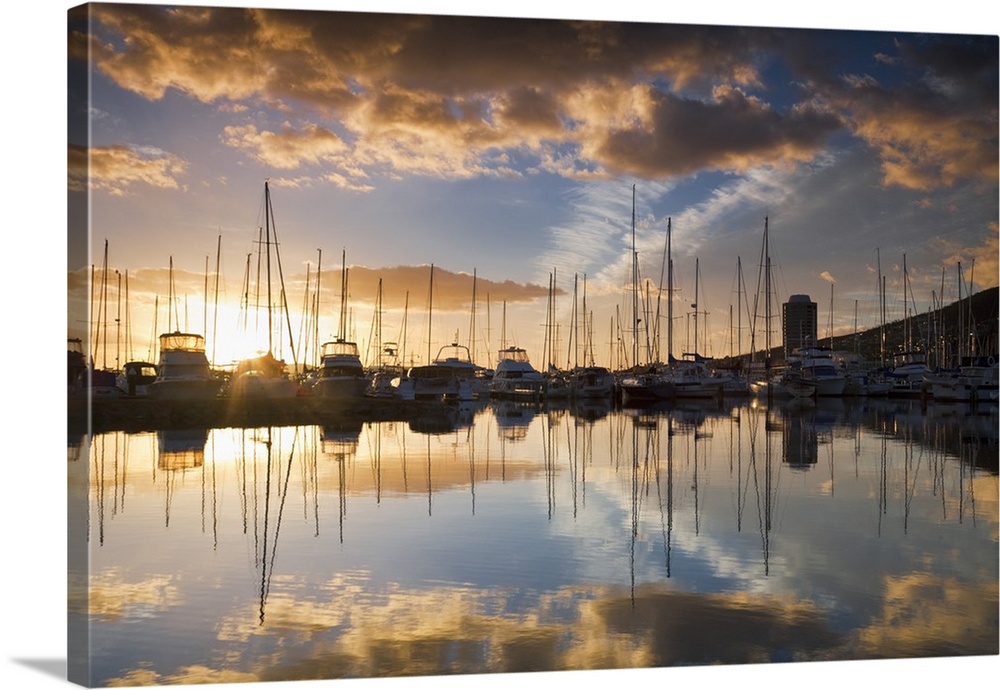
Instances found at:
x=798 y=323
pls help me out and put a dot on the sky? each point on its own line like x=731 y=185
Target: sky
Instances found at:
x=505 y=152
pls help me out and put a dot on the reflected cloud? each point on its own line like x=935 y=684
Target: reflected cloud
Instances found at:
x=927 y=616
x=454 y=629
x=112 y=598
x=187 y=675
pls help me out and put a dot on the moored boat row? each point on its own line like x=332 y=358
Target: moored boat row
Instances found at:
x=183 y=372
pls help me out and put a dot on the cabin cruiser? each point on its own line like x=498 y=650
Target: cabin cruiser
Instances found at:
x=815 y=367
x=592 y=382
x=341 y=374
x=182 y=371
x=451 y=375
x=515 y=378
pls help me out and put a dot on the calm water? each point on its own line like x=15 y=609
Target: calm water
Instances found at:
x=504 y=538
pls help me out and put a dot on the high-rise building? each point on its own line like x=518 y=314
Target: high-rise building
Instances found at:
x=798 y=322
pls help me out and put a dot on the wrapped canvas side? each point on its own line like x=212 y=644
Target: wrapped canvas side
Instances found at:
x=78 y=346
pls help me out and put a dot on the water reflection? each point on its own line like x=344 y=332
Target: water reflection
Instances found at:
x=509 y=537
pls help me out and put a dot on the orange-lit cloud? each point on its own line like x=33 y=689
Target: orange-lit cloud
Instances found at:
x=446 y=96
x=934 y=132
x=407 y=632
x=288 y=148
x=980 y=263
x=453 y=291
x=920 y=610
x=114 y=169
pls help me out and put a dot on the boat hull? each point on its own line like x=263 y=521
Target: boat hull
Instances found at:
x=185 y=389
x=646 y=389
x=340 y=387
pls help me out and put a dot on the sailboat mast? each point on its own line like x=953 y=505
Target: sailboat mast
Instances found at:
x=588 y=345
x=856 y=344
x=472 y=320
x=129 y=352
x=831 y=316
x=572 y=360
x=378 y=325
x=118 y=322
x=215 y=315
x=503 y=326
x=281 y=279
x=552 y=320
x=695 y=305
x=659 y=298
x=908 y=337
x=306 y=323
x=635 y=290
x=548 y=358
x=342 y=326
x=739 y=305
x=670 y=297
x=881 y=308
x=151 y=352
x=319 y=272
x=204 y=312
x=961 y=316
x=767 y=298
x=973 y=332
x=103 y=309
x=402 y=338
x=267 y=261
x=939 y=326
x=171 y=305
x=430 y=314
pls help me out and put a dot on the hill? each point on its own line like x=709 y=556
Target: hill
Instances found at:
x=933 y=333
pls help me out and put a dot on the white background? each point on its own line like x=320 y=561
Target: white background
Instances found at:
x=33 y=225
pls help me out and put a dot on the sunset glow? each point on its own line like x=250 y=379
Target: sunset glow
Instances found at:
x=503 y=152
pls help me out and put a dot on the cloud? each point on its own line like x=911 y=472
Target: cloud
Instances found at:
x=935 y=131
x=287 y=149
x=825 y=275
x=980 y=263
x=453 y=291
x=114 y=169
x=731 y=132
x=454 y=96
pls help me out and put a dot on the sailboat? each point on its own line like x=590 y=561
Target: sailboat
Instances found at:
x=590 y=381
x=910 y=366
x=769 y=383
x=691 y=376
x=451 y=375
x=341 y=373
x=644 y=384
x=388 y=377
x=265 y=376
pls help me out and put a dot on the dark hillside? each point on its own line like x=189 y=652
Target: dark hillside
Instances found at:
x=934 y=333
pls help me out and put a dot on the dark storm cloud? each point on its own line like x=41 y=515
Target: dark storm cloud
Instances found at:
x=733 y=133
